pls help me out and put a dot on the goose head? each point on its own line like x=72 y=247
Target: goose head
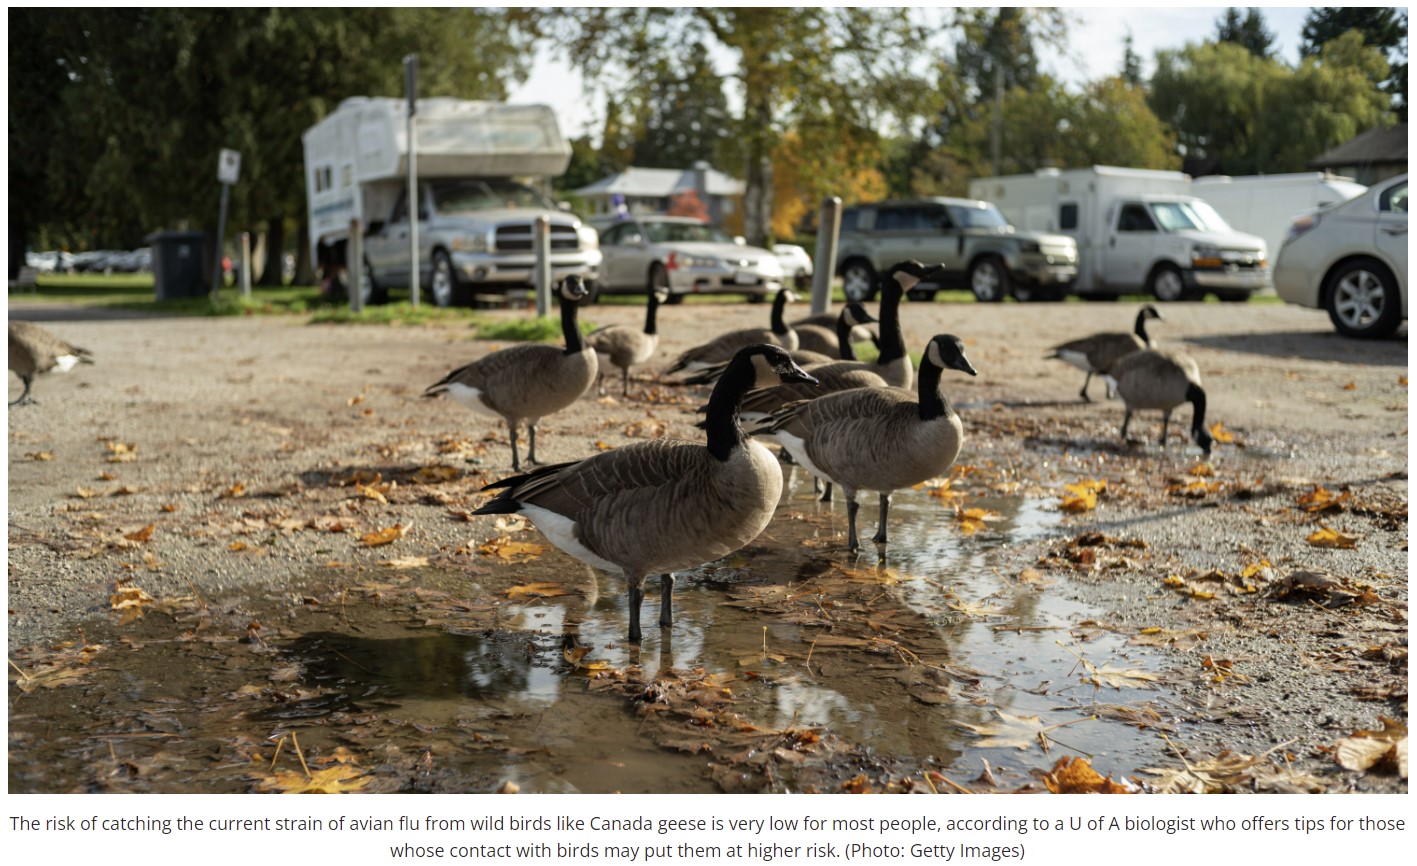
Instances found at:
x=855 y=314
x=772 y=366
x=1148 y=311
x=910 y=273
x=946 y=351
x=784 y=297
x=573 y=288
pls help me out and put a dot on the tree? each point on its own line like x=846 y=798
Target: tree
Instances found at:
x=1383 y=28
x=1248 y=32
x=685 y=115
x=1131 y=63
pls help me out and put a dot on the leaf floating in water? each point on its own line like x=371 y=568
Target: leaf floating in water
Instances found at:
x=1010 y=732
x=1132 y=678
x=339 y=779
x=972 y=520
x=1076 y=776
x=544 y=589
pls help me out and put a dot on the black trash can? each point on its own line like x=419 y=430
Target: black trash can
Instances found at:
x=177 y=264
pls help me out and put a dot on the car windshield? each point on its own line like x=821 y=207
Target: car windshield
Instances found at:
x=983 y=216
x=671 y=232
x=479 y=195
x=1175 y=216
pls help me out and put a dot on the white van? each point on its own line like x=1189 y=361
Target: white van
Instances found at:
x=1267 y=204
x=1136 y=230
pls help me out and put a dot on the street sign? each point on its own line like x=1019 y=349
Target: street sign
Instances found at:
x=228 y=166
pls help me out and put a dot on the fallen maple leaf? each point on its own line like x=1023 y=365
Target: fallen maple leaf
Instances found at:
x=1365 y=750
x=545 y=589
x=1220 y=434
x=339 y=779
x=504 y=548
x=143 y=534
x=1202 y=470
x=1010 y=731
x=1326 y=537
x=1116 y=678
x=1320 y=499
x=971 y=520
x=406 y=562
x=1226 y=773
x=383 y=536
x=130 y=600
x=1076 y=776
x=1351 y=386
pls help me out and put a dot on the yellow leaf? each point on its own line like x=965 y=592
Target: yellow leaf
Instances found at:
x=355 y=400
x=85 y=492
x=506 y=549
x=1117 y=678
x=600 y=444
x=168 y=508
x=1402 y=380
x=545 y=589
x=1076 y=776
x=648 y=428
x=1076 y=504
x=127 y=597
x=1220 y=434
x=339 y=779
x=511 y=523
x=1367 y=749
x=1351 y=386
x=406 y=562
x=1320 y=499
x=1202 y=470
x=142 y=534
x=1326 y=537
x=383 y=536
x=40 y=455
x=435 y=474
x=1096 y=485
x=237 y=546
x=235 y=491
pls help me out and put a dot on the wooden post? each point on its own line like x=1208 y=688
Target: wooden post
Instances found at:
x=824 y=263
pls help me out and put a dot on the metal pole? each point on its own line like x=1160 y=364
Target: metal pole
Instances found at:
x=541 y=243
x=354 y=267
x=997 y=134
x=246 y=265
x=824 y=264
x=220 y=242
x=410 y=86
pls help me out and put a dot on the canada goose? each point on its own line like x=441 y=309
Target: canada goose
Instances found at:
x=527 y=382
x=625 y=346
x=1097 y=354
x=1154 y=379
x=823 y=334
x=664 y=505
x=34 y=350
x=723 y=347
x=852 y=316
x=878 y=439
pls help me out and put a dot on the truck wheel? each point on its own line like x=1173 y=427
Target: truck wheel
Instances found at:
x=444 y=281
x=1097 y=297
x=1025 y=294
x=373 y=292
x=858 y=280
x=1167 y=284
x=1363 y=301
x=989 y=280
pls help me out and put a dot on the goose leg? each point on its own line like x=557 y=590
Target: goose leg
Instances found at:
x=851 y=508
x=516 y=461
x=880 y=536
x=826 y=492
x=637 y=597
x=531 y=450
x=600 y=384
x=1126 y=419
x=1165 y=421
x=625 y=381
x=1085 y=383
x=666 y=600
x=24 y=397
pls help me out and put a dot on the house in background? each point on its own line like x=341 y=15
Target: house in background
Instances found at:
x=1370 y=156
x=653 y=190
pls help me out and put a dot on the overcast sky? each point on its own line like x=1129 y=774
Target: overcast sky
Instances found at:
x=1096 y=51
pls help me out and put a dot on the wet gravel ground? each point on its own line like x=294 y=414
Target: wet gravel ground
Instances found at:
x=250 y=432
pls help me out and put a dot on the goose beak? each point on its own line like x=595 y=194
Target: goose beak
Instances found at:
x=794 y=373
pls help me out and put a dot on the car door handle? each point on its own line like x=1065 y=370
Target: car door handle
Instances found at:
x=1396 y=230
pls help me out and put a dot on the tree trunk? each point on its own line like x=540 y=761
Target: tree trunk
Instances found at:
x=304 y=268
x=273 y=273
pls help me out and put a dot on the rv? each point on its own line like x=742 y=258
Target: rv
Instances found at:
x=1136 y=230
x=476 y=212
x=1267 y=204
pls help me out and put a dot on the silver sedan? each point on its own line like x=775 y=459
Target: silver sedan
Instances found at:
x=684 y=256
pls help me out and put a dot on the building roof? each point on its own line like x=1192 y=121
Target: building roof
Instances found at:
x=660 y=182
x=1384 y=145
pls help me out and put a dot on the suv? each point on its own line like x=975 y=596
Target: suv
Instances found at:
x=1351 y=260
x=971 y=239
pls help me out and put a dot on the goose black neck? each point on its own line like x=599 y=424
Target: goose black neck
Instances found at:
x=724 y=433
x=932 y=403
x=892 y=341
x=1140 y=329
x=843 y=338
x=778 y=304
x=651 y=309
x=1195 y=395
x=569 y=328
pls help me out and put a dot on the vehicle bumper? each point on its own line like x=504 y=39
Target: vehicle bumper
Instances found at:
x=1042 y=272
x=1237 y=279
x=1297 y=285
x=684 y=281
x=483 y=268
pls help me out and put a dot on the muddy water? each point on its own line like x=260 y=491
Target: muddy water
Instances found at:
x=424 y=700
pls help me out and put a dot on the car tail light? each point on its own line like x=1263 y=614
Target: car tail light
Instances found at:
x=672 y=263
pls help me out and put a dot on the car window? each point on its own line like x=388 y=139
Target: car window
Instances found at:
x=1394 y=199
x=401 y=209
x=470 y=196
x=1134 y=218
x=612 y=235
x=899 y=219
x=984 y=216
x=676 y=232
x=848 y=220
x=1068 y=216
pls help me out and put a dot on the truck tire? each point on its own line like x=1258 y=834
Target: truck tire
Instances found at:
x=1232 y=296
x=1362 y=300
x=989 y=280
x=858 y=280
x=443 y=283
x=1167 y=284
x=373 y=292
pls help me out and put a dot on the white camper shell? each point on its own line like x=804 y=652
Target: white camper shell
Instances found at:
x=1267 y=204
x=475 y=214
x=1136 y=230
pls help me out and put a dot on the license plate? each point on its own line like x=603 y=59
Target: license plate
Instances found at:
x=743 y=278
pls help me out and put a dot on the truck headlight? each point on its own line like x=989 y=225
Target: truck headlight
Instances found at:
x=589 y=238
x=1206 y=256
x=471 y=243
x=682 y=260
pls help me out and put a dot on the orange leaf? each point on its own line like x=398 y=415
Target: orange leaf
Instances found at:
x=1076 y=776
x=504 y=548
x=544 y=589
x=142 y=534
x=1326 y=537
x=383 y=536
x=1351 y=386
x=1220 y=434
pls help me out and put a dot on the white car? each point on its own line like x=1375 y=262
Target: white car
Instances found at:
x=796 y=264
x=1351 y=260
x=684 y=255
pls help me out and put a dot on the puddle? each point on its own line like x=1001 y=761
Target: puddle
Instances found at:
x=429 y=689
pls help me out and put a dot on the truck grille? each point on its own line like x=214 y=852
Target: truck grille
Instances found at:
x=517 y=238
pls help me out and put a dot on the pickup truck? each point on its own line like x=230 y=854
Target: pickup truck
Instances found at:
x=978 y=247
